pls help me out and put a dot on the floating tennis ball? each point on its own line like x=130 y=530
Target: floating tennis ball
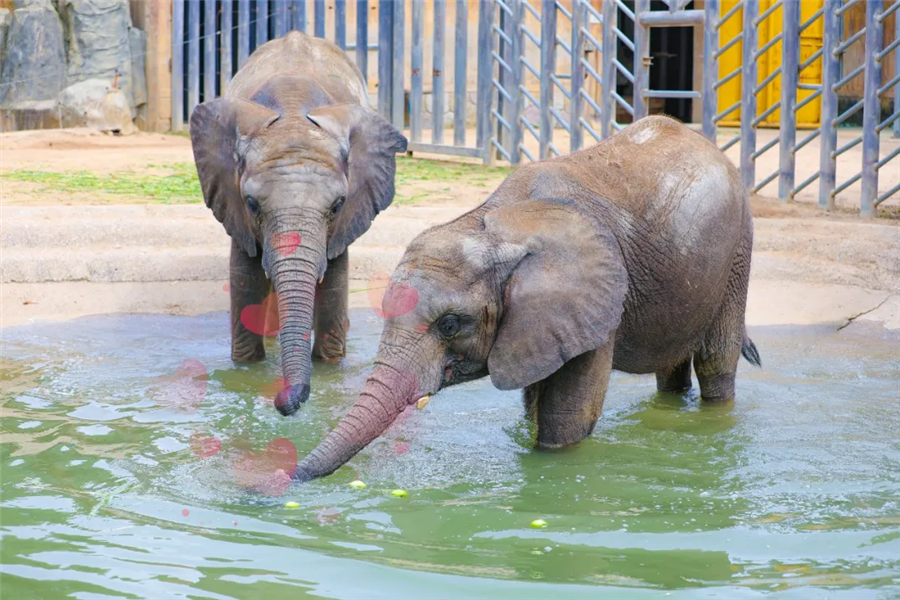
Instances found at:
x=357 y=485
x=423 y=402
x=292 y=504
x=399 y=493
x=539 y=524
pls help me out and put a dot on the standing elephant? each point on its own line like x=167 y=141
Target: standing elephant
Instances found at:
x=295 y=166
x=631 y=255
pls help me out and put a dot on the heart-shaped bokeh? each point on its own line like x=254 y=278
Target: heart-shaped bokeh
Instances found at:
x=185 y=389
x=262 y=319
x=267 y=472
x=390 y=298
x=285 y=243
x=204 y=446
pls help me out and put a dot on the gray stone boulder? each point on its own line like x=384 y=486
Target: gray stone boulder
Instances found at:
x=5 y=18
x=99 y=43
x=34 y=68
x=96 y=103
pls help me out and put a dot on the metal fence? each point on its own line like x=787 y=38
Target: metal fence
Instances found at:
x=549 y=68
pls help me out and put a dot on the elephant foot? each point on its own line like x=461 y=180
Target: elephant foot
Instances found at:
x=249 y=356
x=329 y=348
x=675 y=381
x=717 y=388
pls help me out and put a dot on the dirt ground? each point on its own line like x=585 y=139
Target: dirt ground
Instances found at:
x=809 y=266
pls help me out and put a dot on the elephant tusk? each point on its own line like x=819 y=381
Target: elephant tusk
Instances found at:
x=321 y=277
x=423 y=402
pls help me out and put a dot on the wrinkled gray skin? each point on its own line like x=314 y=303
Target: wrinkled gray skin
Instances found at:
x=293 y=149
x=631 y=255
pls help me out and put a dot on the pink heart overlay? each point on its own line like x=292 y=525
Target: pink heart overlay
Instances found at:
x=389 y=298
x=267 y=472
x=185 y=389
x=286 y=243
x=262 y=319
x=204 y=446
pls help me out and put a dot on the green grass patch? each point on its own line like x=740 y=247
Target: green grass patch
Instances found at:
x=418 y=169
x=177 y=185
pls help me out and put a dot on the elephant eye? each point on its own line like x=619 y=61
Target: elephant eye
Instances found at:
x=252 y=205
x=336 y=207
x=448 y=326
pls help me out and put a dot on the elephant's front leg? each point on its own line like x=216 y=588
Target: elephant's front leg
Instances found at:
x=565 y=406
x=249 y=285
x=331 y=322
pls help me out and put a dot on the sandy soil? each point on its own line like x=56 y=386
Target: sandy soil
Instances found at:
x=809 y=266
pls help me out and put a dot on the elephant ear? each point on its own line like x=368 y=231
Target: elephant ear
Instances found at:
x=563 y=298
x=217 y=127
x=369 y=143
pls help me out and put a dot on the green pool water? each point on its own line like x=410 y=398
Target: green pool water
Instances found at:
x=791 y=492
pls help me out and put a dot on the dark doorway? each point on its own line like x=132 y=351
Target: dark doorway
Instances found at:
x=672 y=50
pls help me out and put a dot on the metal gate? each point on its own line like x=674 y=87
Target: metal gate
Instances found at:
x=558 y=68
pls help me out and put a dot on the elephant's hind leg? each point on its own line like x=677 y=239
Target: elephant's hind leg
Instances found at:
x=248 y=286
x=565 y=406
x=330 y=311
x=676 y=380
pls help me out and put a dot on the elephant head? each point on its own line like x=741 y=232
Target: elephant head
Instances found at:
x=296 y=187
x=512 y=292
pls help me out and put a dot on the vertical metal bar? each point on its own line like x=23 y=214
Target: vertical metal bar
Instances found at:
x=576 y=105
x=225 y=71
x=517 y=22
x=503 y=107
x=609 y=43
x=548 y=62
x=415 y=78
x=398 y=101
x=748 y=95
x=460 y=100
x=243 y=31
x=710 y=68
x=209 y=50
x=319 y=18
x=897 y=72
x=831 y=73
x=362 y=37
x=437 y=73
x=340 y=23
x=790 y=73
x=262 y=22
x=193 y=55
x=485 y=77
x=642 y=60
x=177 y=65
x=871 y=108
x=385 y=57
x=279 y=18
x=298 y=18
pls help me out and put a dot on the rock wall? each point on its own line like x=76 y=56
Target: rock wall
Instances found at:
x=48 y=47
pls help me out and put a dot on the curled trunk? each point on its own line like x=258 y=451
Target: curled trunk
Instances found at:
x=294 y=257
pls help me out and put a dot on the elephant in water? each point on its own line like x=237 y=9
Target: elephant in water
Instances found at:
x=631 y=255
x=295 y=166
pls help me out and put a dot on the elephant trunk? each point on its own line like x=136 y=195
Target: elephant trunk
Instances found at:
x=294 y=257
x=387 y=392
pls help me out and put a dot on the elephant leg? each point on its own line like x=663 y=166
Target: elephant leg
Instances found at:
x=249 y=285
x=676 y=380
x=565 y=406
x=330 y=312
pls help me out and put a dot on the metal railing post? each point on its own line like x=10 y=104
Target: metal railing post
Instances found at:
x=319 y=18
x=243 y=32
x=177 y=65
x=362 y=38
x=262 y=23
x=225 y=70
x=485 y=77
x=790 y=74
x=385 y=57
x=209 y=51
x=298 y=18
x=398 y=100
x=415 y=74
x=193 y=64
x=748 y=94
x=515 y=80
x=607 y=102
x=710 y=68
x=460 y=99
x=871 y=109
x=642 y=60
x=340 y=23
x=576 y=106
x=548 y=64
x=831 y=73
x=437 y=73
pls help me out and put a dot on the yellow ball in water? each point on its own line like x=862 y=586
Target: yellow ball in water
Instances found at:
x=539 y=523
x=357 y=485
x=399 y=493
x=292 y=504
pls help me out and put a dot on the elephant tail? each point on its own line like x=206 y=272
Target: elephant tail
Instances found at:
x=748 y=349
